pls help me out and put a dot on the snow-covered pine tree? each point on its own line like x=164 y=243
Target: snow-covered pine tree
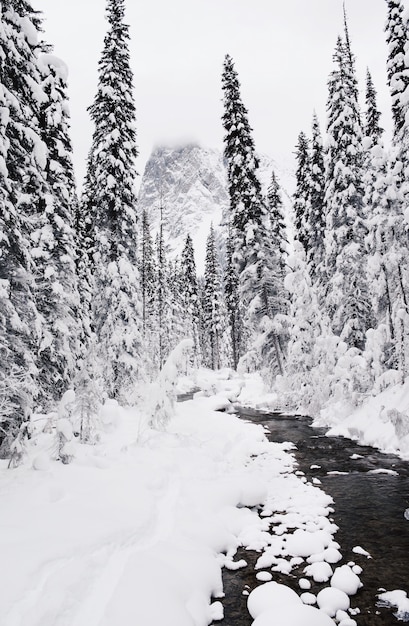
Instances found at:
x=59 y=301
x=163 y=331
x=346 y=291
x=349 y=58
x=316 y=203
x=213 y=314
x=22 y=187
x=246 y=202
x=396 y=37
x=302 y=192
x=190 y=298
x=111 y=209
x=147 y=273
x=311 y=356
x=231 y=290
x=382 y=220
x=250 y=245
x=372 y=114
x=277 y=230
x=397 y=34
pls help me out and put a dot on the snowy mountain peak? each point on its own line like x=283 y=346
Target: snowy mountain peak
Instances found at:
x=189 y=183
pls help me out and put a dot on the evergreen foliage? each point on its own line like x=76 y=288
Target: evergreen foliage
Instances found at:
x=190 y=298
x=252 y=259
x=396 y=38
x=22 y=186
x=59 y=299
x=302 y=193
x=277 y=230
x=372 y=114
x=212 y=306
x=111 y=209
x=346 y=291
x=316 y=228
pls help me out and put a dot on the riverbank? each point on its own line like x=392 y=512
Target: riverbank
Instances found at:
x=138 y=526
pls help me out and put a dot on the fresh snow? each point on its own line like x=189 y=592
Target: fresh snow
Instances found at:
x=138 y=527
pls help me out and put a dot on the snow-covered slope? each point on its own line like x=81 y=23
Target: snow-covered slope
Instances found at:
x=189 y=183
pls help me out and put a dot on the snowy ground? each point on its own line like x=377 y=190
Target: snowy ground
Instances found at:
x=137 y=528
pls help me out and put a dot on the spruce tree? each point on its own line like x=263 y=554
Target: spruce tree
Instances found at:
x=396 y=37
x=231 y=290
x=190 y=297
x=249 y=244
x=147 y=273
x=346 y=296
x=302 y=193
x=59 y=302
x=277 y=231
x=372 y=114
x=22 y=200
x=111 y=209
x=213 y=306
x=316 y=230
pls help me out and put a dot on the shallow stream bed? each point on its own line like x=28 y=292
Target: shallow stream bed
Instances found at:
x=370 y=492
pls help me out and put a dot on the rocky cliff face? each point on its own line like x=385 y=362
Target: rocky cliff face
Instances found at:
x=188 y=185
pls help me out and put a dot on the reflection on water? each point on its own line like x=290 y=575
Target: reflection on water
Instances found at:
x=369 y=510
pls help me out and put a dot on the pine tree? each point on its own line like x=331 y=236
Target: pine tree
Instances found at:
x=372 y=114
x=213 y=306
x=117 y=315
x=147 y=273
x=22 y=188
x=347 y=298
x=246 y=202
x=249 y=245
x=231 y=290
x=302 y=193
x=277 y=230
x=163 y=302
x=190 y=297
x=396 y=38
x=316 y=202
x=59 y=302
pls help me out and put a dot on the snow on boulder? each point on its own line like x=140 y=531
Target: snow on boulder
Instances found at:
x=397 y=599
x=345 y=580
x=304 y=543
x=332 y=555
x=331 y=600
x=293 y=615
x=308 y=598
x=270 y=596
x=304 y=583
x=320 y=572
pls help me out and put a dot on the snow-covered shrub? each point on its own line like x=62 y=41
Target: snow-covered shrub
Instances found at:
x=64 y=427
x=162 y=393
x=87 y=405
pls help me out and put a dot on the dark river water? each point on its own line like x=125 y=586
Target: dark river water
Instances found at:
x=368 y=509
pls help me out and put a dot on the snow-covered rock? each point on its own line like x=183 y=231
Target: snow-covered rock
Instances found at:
x=189 y=183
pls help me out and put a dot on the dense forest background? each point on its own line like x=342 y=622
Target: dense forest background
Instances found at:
x=91 y=300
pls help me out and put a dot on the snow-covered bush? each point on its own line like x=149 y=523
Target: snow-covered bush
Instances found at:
x=162 y=393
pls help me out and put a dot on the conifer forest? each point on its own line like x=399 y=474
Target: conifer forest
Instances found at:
x=99 y=316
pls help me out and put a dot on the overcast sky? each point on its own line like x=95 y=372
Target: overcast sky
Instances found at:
x=282 y=51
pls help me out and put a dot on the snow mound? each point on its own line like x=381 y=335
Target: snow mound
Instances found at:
x=331 y=600
x=345 y=580
x=288 y=615
x=268 y=596
x=397 y=599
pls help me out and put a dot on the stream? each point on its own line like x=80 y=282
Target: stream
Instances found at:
x=368 y=509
